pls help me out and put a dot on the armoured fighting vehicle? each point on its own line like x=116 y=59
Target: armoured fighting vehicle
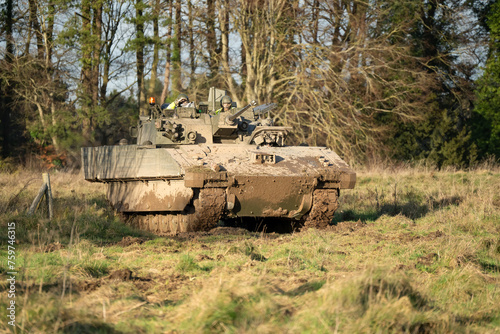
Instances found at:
x=192 y=167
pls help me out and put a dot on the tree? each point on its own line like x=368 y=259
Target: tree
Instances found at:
x=487 y=116
x=445 y=38
x=140 y=45
x=6 y=91
x=37 y=82
x=355 y=69
x=263 y=29
x=156 y=45
x=90 y=46
x=168 y=49
x=227 y=73
x=176 y=50
x=113 y=66
x=370 y=79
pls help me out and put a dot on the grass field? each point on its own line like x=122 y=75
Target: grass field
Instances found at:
x=410 y=251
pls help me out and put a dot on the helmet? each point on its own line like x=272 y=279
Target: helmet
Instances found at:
x=225 y=99
x=182 y=97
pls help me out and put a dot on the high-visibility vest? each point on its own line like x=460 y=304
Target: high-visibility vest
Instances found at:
x=171 y=106
x=219 y=110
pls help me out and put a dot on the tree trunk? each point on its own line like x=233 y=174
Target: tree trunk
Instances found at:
x=315 y=18
x=86 y=73
x=224 y=25
x=211 y=39
x=7 y=91
x=139 y=26
x=111 y=25
x=96 y=52
x=49 y=47
x=192 y=55
x=49 y=36
x=105 y=74
x=176 y=54
x=53 y=137
x=35 y=26
x=156 y=49
x=168 y=47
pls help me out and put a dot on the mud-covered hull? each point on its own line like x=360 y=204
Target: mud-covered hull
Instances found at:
x=253 y=181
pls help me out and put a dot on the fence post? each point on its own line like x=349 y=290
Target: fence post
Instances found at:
x=44 y=190
x=48 y=195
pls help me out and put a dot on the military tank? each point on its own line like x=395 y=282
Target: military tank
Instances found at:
x=191 y=167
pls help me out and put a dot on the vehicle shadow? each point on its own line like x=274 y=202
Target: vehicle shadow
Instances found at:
x=412 y=209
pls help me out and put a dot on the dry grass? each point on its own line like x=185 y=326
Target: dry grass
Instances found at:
x=414 y=250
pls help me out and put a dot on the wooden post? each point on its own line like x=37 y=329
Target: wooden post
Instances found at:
x=44 y=190
x=37 y=200
x=48 y=195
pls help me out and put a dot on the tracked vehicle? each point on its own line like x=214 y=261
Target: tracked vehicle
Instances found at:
x=191 y=168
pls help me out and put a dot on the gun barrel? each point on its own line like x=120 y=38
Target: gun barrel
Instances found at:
x=237 y=114
x=264 y=108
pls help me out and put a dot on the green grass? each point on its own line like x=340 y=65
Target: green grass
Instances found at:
x=412 y=251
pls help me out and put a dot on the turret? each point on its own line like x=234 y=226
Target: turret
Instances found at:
x=198 y=125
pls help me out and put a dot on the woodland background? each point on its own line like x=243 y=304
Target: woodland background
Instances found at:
x=376 y=81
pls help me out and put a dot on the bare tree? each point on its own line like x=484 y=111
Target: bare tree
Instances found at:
x=353 y=78
x=227 y=73
x=114 y=14
x=263 y=32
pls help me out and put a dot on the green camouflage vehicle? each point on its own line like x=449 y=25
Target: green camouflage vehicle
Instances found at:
x=191 y=168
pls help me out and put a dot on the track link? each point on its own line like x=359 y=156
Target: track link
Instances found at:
x=202 y=215
x=325 y=203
